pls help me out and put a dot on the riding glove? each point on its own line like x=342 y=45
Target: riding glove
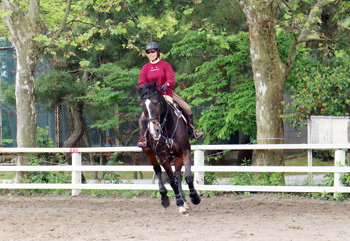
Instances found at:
x=164 y=87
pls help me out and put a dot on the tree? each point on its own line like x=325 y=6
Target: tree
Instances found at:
x=221 y=85
x=24 y=24
x=23 y=29
x=320 y=89
x=270 y=72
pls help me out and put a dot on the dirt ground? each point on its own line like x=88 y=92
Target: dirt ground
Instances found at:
x=254 y=217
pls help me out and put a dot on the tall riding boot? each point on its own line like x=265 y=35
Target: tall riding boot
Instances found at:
x=192 y=131
x=144 y=139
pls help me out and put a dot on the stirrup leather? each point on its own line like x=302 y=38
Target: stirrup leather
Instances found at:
x=198 y=133
x=142 y=142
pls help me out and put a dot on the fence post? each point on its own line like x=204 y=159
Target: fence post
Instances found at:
x=198 y=161
x=76 y=175
x=339 y=160
x=309 y=152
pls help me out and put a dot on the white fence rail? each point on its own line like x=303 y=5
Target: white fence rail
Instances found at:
x=198 y=168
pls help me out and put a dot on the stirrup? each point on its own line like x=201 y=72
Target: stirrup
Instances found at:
x=198 y=133
x=142 y=142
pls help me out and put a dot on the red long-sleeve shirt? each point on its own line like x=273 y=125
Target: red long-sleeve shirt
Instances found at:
x=162 y=72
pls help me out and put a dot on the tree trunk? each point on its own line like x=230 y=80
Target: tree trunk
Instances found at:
x=76 y=125
x=268 y=71
x=22 y=29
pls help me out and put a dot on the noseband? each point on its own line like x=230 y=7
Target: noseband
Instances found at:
x=158 y=117
x=168 y=138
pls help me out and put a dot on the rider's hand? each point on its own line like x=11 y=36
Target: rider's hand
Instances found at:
x=164 y=87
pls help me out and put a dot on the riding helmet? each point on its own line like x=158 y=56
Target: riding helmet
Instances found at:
x=153 y=45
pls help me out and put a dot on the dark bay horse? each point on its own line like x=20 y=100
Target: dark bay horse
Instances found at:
x=168 y=140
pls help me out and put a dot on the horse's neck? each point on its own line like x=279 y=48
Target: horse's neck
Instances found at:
x=167 y=112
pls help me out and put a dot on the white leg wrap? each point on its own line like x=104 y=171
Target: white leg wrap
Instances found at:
x=183 y=211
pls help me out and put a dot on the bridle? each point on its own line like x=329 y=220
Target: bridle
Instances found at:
x=164 y=132
x=152 y=119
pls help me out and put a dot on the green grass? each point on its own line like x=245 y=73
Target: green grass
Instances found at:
x=6 y=175
x=301 y=160
x=89 y=175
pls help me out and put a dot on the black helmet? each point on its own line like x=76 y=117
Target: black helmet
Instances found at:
x=153 y=45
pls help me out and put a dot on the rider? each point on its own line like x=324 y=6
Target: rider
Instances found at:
x=161 y=71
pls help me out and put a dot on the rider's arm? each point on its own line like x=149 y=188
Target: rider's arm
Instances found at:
x=170 y=76
x=142 y=78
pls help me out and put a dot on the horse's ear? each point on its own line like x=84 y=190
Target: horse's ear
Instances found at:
x=155 y=84
x=138 y=89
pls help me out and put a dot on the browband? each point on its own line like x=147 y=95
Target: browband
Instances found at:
x=146 y=97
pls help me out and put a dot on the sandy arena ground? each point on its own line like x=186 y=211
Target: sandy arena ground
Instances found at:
x=254 y=217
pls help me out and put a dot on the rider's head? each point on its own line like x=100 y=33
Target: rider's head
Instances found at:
x=153 y=51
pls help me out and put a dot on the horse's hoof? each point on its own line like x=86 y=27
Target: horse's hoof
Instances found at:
x=165 y=202
x=183 y=211
x=195 y=198
x=186 y=207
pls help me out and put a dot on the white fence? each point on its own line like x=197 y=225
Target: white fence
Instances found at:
x=198 y=168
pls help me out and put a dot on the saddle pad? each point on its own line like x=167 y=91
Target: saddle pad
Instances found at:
x=168 y=99
x=174 y=106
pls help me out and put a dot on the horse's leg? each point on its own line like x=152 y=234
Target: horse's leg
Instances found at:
x=178 y=165
x=195 y=198
x=158 y=171
x=175 y=185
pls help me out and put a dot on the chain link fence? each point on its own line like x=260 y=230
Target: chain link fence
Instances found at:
x=57 y=120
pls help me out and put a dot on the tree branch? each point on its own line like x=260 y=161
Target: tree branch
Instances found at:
x=305 y=33
x=34 y=11
x=8 y=47
x=64 y=20
x=287 y=4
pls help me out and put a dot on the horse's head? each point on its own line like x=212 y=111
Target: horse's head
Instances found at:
x=151 y=106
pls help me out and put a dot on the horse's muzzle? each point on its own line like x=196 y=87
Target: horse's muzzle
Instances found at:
x=155 y=129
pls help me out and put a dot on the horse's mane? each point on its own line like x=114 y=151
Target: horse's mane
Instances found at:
x=148 y=90
x=151 y=89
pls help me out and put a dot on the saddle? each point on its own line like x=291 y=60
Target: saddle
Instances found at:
x=143 y=142
x=176 y=107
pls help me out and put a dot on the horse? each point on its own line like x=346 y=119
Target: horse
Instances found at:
x=168 y=140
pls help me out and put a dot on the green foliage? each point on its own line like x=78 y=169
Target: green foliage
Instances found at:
x=8 y=94
x=345 y=179
x=320 y=89
x=7 y=142
x=107 y=97
x=45 y=177
x=43 y=138
x=259 y=179
x=110 y=177
x=210 y=178
x=220 y=86
x=54 y=86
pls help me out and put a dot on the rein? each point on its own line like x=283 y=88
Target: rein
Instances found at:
x=168 y=140
x=148 y=96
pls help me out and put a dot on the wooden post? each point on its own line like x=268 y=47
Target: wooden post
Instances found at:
x=0 y=104
x=309 y=152
x=76 y=175
x=198 y=161
x=339 y=160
